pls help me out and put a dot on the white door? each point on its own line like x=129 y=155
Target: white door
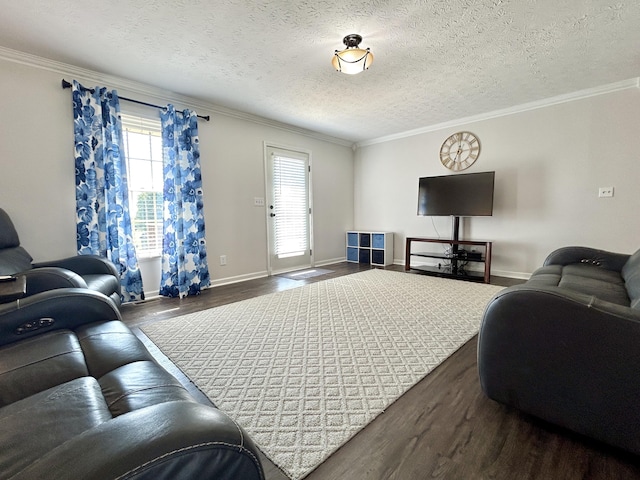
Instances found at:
x=288 y=209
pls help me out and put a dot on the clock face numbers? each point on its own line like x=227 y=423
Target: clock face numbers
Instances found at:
x=459 y=151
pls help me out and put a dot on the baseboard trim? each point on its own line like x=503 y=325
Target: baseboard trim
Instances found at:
x=509 y=274
x=262 y=274
x=253 y=276
x=239 y=278
x=330 y=261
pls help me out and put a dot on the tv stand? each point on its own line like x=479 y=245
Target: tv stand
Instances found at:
x=454 y=260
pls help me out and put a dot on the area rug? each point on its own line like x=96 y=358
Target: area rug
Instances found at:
x=303 y=370
x=304 y=274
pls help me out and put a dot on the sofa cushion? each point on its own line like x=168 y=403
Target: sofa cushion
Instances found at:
x=47 y=420
x=631 y=276
x=548 y=276
x=604 y=284
x=109 y=345
x=38 y=363
x=601 y=289
x=588 y=279
x=593 y=272
x=139 y=385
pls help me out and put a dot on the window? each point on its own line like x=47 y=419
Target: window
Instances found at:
x=291 y=206
x=143 y=150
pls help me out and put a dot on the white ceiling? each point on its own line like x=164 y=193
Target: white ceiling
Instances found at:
x=435 y=61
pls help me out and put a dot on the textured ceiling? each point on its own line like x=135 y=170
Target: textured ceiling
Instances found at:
x=435 y=61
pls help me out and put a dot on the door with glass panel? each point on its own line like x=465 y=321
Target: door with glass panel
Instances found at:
x=288 y=207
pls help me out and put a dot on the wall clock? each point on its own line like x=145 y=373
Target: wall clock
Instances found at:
x=459 y=151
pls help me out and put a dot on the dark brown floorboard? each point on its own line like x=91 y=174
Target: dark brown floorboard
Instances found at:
x=443 y=428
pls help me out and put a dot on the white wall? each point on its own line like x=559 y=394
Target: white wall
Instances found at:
x=37 y=183
x=549 y=163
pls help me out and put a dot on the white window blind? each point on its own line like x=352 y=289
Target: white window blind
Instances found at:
x=143 y=151
x=290 y=206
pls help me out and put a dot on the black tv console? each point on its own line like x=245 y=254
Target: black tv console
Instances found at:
x=454 y=260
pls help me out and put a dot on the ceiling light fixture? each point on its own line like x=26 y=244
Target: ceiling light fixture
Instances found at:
x=353 y=59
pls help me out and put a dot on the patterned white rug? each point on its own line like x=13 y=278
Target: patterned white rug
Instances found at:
x=305 y=369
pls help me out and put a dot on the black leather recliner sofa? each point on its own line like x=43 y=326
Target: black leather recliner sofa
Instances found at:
x=565 y=345
x=82 y=398
x=82 y=271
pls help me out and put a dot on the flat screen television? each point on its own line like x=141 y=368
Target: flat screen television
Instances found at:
x=462 y=195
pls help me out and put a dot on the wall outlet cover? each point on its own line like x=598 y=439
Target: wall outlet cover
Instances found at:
x=605 y=192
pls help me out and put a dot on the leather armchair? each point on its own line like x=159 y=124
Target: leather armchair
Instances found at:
x=83 y=271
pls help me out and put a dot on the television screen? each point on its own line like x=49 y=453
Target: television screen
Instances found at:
x=463 y=195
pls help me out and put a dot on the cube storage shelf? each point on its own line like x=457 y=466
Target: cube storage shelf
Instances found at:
x=375 y=248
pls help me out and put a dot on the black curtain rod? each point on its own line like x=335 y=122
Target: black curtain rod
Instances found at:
x=66 y=84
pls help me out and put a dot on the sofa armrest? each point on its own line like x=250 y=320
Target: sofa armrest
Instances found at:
x=49 y=278
x=173 y=440
x=62 y=308
x=83 y=265
x=593 y=256
x=568 y=358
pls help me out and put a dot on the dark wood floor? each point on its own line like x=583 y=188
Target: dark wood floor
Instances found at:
x=443 y=428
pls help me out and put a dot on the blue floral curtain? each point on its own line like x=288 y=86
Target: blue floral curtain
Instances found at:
x=102 y=197
x=184 y=254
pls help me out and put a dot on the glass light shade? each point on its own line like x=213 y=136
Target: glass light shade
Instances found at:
x=352 y=60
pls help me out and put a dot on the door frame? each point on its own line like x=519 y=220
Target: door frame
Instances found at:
x=278 y=146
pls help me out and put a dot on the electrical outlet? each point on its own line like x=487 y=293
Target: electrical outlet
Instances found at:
x=605 y=192
x=258 y=202
x=223 y=259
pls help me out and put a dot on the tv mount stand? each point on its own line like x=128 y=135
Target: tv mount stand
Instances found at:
x=457 y=257
x=455 y=233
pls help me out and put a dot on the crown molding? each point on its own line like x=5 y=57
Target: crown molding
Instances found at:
x=525 y=107
x=159 y=94
x=204 y=107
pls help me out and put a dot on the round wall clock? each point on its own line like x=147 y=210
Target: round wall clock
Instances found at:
x=459 y=151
